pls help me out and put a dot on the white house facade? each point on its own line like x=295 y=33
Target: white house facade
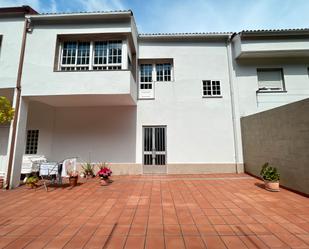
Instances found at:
x=92 y=87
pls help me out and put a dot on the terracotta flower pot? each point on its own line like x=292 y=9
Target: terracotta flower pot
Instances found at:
x=103 y=182
x=73 y=181
x=272 y=186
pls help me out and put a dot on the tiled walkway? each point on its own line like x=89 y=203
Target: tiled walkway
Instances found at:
x=193 y=211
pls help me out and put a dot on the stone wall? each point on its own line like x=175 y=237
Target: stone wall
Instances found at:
x=279 y=136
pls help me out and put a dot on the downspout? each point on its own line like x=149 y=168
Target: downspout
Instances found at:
x=17 y=106
x=230 y=66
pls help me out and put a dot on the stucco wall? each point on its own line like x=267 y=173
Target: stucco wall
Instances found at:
x=11 y=31
x=296 y=82
x=93 y=134
x=199 y=130
x=281 y=137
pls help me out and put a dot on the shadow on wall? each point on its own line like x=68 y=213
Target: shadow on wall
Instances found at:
x=4 y=136
x=95 y=134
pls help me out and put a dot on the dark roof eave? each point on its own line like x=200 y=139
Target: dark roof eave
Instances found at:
x=274 y=32
x=17 y=11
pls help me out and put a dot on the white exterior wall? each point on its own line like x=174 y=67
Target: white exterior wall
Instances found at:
x=11 y=31
x=199 y=130
x=296 y=83
x=39 y=78
x=93 y=134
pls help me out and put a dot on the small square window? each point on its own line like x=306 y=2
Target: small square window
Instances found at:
x=211 y=88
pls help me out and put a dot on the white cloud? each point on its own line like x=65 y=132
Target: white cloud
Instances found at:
x=97 y=5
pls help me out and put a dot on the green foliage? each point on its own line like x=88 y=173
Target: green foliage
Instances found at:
x=269 y=173
x=32 y=180
x=88 y=169
x=6 y=110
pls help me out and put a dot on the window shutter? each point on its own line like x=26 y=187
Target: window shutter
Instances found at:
x=270 y=79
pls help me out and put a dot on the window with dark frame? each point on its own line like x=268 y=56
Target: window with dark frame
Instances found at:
x=146 y=73
x=211 y=88
x=163 y=72
x=32 y=142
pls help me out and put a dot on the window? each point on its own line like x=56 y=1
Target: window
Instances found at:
x=146 y=73
x=270 y=79
x=32 y=141
x=107 y=55
x=77 y=56
x=163 y=72
x=211 y=88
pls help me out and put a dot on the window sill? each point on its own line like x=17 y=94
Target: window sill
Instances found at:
x=145 y=98
x=163 y=81
x=75 y=71
x=271 y=91
x=212 y=97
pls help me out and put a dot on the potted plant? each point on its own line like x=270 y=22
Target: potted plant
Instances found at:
x=32 y=181
x=88 y=170
x=73 y=177
x=271 y=177
x=104 y=174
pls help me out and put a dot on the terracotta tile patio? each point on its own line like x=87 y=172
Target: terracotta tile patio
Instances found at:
x=192 y=211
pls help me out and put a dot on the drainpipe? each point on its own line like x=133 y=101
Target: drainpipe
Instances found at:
x=230 y=68
x=17 y=106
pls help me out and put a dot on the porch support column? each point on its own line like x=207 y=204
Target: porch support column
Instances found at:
x=20 y=143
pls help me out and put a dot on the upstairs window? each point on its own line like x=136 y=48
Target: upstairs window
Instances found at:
x=98 y=55
x=270 y=79
x=211 y=88
x=163 y=72
x=146 y=73
x=75 y=56
x=107 y=55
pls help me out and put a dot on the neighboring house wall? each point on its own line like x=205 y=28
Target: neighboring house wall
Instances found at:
x=269 y=51
x=11 y=30
x=296 y=83
x=199 y=130
x=281 y=137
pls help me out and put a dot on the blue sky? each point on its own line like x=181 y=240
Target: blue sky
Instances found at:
x=191 y=15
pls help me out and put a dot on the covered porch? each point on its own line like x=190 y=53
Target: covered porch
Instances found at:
x=90 y=128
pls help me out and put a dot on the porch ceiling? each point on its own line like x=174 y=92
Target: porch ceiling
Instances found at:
x=85 y=100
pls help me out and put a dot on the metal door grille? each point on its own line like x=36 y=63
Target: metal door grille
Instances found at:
x=154 y=156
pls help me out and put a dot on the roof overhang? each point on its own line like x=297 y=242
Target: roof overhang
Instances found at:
x=185 y=37
x=82 y=16
x=17 y=11
x=274 y=34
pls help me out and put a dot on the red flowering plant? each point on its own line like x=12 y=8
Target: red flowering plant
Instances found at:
x=104 y=172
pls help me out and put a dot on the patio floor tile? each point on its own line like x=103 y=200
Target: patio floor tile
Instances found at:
x=216 y=211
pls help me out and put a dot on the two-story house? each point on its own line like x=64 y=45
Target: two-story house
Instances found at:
x=94 y=88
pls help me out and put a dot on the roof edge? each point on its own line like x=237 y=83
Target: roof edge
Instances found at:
x=19 y=10
x=65 y=15
x=183 y=36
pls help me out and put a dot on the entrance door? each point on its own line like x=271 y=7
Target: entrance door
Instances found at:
x=154 y=157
